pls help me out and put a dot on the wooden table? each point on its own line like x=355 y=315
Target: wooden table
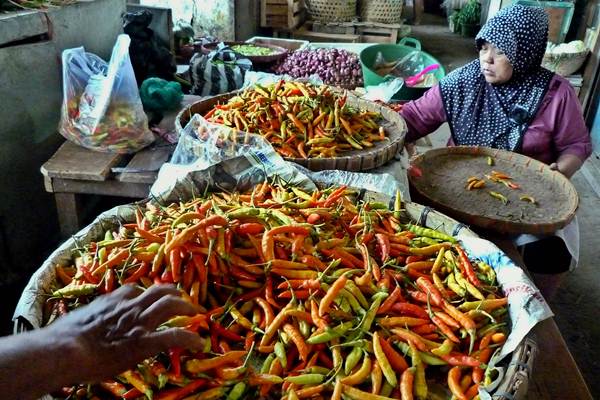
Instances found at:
x=555 y=373
x=73 y=171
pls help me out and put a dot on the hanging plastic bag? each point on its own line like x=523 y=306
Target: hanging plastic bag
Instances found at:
x=221 y=71
x=101 y=107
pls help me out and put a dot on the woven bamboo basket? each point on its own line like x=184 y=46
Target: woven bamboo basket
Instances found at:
x=439 y=178
x=384 y=11
x=332 y=10
x=513 y=385
x=564 y=64
x=355 y=160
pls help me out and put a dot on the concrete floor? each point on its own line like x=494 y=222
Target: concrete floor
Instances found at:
x=577 y=303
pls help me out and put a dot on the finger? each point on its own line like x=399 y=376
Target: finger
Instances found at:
x=125 y=292
x=157 y=342
x=554 y=166
x=165 y=308
x=153 y=294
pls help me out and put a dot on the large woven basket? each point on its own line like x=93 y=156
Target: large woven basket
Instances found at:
x=512 y=386
x=332 y=10
x=384 y=11
x=565 y=63
x=354 y=160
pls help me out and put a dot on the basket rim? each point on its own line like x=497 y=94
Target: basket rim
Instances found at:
x=317 y=163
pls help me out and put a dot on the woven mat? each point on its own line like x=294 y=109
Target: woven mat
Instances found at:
x=443 y=178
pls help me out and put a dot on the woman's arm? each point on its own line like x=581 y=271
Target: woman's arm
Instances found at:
x=424 y=115
x=571 y=137
x=94 y=342
x=567 y=164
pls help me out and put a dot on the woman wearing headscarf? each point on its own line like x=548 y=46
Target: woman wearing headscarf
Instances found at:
x=506 y=100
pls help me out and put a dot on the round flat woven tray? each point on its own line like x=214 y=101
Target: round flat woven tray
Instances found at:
x=440 y=177
x=354 y=160
x=279 y=52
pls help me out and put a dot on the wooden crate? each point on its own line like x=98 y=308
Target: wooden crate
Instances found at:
x=287 y=14
x=368 y=32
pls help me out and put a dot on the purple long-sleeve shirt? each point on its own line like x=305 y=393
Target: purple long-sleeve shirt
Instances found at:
x=557 y=129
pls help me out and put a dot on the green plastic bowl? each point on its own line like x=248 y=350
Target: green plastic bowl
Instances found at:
x=396 y=52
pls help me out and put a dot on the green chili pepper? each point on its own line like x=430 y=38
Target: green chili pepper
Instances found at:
x=425 y=357
x=490 y=161
x=280 y=353
x=397 y=204
x=356 y=292
x=330 y=334
x=75 y=290
x=454 y=286
x=237 y=391
x=431 y=233
x=315 y=369
x=306 y=379
x=420 y=384
x=370 y=316
x=352 y=359
x=499 y=196
x=267 y=363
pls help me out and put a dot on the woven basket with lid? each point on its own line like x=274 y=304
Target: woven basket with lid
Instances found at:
x=384 y=11
x=332 y=10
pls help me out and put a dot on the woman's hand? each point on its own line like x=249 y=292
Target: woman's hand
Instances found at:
x=567 y=164
x=116 y=331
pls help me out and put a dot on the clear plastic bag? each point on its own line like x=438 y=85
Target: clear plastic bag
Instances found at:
x=101 y=107
x=409 y=65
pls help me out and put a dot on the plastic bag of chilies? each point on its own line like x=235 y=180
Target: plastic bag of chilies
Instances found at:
x=101 y=107
x=221 y=71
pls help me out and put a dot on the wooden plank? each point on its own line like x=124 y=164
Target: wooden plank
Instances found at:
x=144 y=166
x=326 y=37
x=21 y=25
x=555 y=374
x=105 y=188
x=67 y=207
x=75 y=162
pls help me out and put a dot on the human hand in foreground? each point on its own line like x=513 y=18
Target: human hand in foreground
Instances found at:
x=94 y=342
x=116 y=331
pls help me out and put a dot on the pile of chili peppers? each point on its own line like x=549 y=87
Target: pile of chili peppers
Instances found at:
x=122 y=128
x=300 y=120
x=302 y=295
x=474 y=182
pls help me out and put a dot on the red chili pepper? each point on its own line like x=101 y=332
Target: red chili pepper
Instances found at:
x=389 y=302
x=175 y=262
x=250 y=228
x=180 y=393
x=142 y=270
x=175 y=358
x=466 y=267
x=410 y=309
x=461 y=360
x=384 y=245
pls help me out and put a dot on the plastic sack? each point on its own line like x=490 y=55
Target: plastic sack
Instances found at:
x=221 y=71
x=209 y=155
x=265 y=78
x=384 y=91
x=407 y=66
x=101 y=107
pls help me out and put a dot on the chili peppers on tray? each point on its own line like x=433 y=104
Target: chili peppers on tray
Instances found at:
x=302 y=295
x=300 y=120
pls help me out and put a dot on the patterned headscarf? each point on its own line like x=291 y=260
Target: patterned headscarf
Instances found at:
x=482 y=114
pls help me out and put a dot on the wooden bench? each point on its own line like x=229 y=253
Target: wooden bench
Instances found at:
x=74 y=170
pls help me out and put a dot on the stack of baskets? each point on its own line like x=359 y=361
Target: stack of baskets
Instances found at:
x=332 y=10
x=383 y=11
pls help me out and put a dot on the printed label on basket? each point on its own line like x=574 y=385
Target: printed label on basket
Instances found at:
x=526 y=305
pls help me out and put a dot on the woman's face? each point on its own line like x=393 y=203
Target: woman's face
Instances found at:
x=495 y=66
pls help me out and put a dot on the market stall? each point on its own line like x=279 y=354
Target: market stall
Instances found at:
x=276 y=199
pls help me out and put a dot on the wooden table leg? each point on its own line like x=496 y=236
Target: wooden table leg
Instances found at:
x=67 y=206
